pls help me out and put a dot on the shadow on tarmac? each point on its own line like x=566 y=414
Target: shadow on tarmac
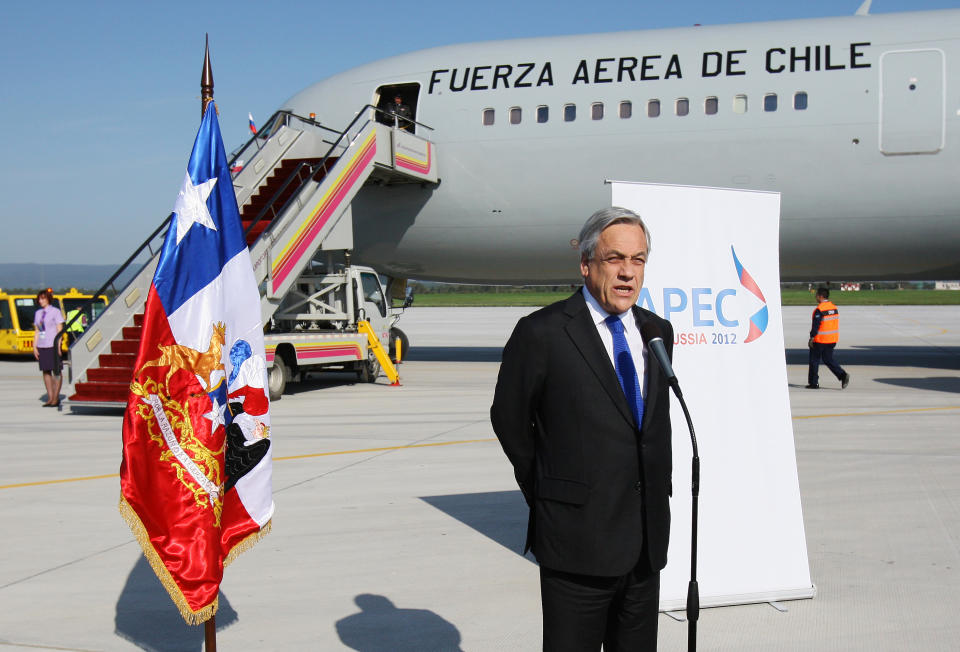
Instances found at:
x=321 y=380
x=498 y=515
x=380 y=626
x=950 y=384
x=926 y=357
x=314 y=380
x=11 y=357
x=930 y=357
x=147 y=617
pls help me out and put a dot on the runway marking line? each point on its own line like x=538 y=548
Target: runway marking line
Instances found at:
x=865 y=414
x=460 y=441
x=383 y=448
x=284 y=458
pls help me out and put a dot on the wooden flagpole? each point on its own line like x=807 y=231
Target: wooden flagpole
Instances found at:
x=210 y=634
x=206 y=97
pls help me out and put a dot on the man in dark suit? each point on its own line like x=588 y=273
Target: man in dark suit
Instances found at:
x=401 y=115
x=582 y=413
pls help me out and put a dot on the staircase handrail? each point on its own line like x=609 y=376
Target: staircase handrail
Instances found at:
x=110 y=282
x=295 y=174
x=280 y=118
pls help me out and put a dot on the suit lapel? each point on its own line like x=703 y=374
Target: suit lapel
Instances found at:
x=583 y=333
x=653 y=377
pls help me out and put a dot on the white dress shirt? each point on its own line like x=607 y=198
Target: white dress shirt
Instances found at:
x=630 y=331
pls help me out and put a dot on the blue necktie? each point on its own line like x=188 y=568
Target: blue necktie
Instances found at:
x=626 y=370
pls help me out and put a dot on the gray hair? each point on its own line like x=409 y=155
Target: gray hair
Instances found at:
x=600 y=220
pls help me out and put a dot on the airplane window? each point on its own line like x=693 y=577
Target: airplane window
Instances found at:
x=569 y=112
x=596 y=111
x=682 y=106
x=543 y=113
x=626 y=109
x=487 y=117
x=515 y=115
x=710 y=106
x=653 y=108
x=800 y=100
x=739 y=103
x=770 y=102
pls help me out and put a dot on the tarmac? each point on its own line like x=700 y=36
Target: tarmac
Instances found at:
x=399 y=526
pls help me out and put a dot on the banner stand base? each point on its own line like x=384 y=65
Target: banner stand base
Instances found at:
x=773 y=598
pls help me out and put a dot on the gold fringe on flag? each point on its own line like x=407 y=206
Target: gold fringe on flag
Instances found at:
x=140 y=533
x=247 y=543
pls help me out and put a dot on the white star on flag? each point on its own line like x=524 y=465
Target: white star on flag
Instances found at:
x=215 y=414
x=191 y=206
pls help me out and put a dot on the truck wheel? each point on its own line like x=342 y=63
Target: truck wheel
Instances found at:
x=277 y=378
x=369 y=369
x=397 y=334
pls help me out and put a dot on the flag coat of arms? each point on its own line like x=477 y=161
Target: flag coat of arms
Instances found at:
x=196 y=472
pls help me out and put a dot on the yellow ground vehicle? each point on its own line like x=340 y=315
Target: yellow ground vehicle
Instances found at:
x=17 y=312
x=75 y=300
x=16 y=322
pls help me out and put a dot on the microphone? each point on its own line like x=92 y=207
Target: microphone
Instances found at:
x=650 y=333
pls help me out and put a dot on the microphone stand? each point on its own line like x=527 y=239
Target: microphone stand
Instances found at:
x=652 y=338
x=693 y=590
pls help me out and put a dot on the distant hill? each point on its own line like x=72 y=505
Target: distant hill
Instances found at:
x=34 y=276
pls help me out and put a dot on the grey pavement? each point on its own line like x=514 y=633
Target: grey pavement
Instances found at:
x=398 y=524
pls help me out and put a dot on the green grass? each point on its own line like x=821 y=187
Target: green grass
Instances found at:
x=788 y=298
x=876 y=298
x=507 y=298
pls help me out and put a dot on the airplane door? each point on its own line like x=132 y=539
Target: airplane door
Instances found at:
x=912 y=102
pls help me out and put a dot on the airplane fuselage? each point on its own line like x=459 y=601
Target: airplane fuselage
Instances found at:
x=853 y=120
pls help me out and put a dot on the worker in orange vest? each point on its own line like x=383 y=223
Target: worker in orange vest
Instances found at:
x=824 y=335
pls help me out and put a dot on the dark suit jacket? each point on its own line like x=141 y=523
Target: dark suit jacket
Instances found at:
x=597 y=488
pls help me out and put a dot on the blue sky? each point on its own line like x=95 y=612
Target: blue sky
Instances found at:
x=100 y=100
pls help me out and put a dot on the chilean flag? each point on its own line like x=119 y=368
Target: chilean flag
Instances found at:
x=195 y=478
x=253 y=127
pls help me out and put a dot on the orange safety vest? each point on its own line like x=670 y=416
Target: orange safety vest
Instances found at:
x=829 y=331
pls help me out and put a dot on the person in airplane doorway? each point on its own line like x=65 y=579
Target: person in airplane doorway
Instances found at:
x=47 y=322
x=402 y=115
x=824 y=335
x=583 y=415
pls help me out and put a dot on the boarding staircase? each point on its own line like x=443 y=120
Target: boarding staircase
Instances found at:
x=294 y=181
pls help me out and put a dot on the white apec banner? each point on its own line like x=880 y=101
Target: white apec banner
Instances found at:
x=714 y=273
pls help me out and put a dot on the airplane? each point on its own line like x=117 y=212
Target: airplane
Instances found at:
x=854 y=120
x=501 y=150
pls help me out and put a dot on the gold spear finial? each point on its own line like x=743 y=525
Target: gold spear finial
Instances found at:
x=206 y=80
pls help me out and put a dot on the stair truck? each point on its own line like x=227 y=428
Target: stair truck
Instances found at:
x=333 y=320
